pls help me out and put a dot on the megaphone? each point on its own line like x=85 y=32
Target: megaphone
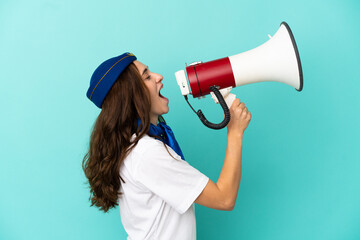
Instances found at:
x=276 y=60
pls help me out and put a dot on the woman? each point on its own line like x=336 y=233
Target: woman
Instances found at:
x=134 y=160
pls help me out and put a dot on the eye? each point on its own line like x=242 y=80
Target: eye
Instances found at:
x=148 y=77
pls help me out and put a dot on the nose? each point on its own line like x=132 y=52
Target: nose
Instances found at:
x=159 y=77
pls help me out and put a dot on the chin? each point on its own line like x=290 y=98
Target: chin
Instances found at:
x=166 y=110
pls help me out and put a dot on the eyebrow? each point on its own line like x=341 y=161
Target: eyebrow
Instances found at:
x=145 y=70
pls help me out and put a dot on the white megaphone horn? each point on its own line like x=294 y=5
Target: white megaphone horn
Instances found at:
x=276 y=60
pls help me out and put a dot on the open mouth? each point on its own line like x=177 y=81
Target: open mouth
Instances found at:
x=161 y=96
x=160 y=93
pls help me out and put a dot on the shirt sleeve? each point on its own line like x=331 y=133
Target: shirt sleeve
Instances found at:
x=173 y=180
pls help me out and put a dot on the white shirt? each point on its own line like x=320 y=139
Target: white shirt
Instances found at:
x=157 y=200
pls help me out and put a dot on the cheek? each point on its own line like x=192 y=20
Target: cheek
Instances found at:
x=151 y=89
x=153 y=96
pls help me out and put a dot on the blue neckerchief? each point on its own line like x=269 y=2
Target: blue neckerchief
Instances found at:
x=166 y=134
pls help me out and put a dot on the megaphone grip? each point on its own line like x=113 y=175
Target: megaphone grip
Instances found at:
x=224 y=107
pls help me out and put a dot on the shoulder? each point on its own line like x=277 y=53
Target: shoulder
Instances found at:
x=145 y=144
x=148 y=146
x=149 y=149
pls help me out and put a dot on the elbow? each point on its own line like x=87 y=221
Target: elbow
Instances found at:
x=229 y=206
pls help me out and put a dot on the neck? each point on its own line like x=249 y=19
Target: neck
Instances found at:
x=154 y=120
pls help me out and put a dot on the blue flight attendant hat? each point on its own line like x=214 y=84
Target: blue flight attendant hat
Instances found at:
x=105 y=76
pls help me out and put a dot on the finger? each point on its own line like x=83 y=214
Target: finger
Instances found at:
x=242 y=105
x=236 y=102
x=244 y=113
x=249 y=115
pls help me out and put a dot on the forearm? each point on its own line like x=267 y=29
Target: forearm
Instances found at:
x=222 y=195
x=230 y=176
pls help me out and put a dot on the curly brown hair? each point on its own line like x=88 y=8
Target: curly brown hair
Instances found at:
x=110 y=140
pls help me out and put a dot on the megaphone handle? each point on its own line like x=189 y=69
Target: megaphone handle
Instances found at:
x=224 y=107
x=229 y=99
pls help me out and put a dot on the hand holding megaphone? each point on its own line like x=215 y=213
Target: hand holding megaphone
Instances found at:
x=240 y=118
x=276 y=60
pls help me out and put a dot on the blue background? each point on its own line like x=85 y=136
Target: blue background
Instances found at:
x=301 y=158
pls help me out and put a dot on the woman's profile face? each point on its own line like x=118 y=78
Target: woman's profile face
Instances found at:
x=159 y=103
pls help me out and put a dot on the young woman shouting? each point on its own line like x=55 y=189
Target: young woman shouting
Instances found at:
x=134 y=160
